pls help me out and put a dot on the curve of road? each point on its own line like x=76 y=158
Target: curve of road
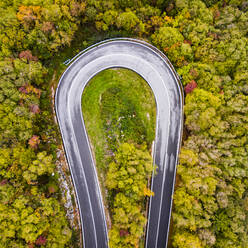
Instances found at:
x=158 y=72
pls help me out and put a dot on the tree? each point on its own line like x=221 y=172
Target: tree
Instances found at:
x=127 y=178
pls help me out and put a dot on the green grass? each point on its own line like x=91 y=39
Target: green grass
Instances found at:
x=118 y=106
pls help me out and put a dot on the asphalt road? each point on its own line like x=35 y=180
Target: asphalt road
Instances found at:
x=158 y=72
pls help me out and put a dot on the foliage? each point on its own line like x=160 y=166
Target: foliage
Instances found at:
x=212 y=188
x=42 y=26
x=126 y=181
x=206 y=42
x=31 y=211
x=17 y=98
x=28 y=219
x=185 y=240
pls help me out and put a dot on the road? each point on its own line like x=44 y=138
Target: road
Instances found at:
x=158 y=72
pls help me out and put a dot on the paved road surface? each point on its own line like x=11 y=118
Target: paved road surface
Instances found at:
x=155 y=68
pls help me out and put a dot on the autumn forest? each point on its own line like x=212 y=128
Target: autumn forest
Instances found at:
x=207 y=43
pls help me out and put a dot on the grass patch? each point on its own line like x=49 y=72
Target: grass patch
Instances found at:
x=118 y=106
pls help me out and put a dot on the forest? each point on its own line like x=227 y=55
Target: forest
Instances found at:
x=207 y=43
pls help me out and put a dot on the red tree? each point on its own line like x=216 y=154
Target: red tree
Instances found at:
x=190 y=86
